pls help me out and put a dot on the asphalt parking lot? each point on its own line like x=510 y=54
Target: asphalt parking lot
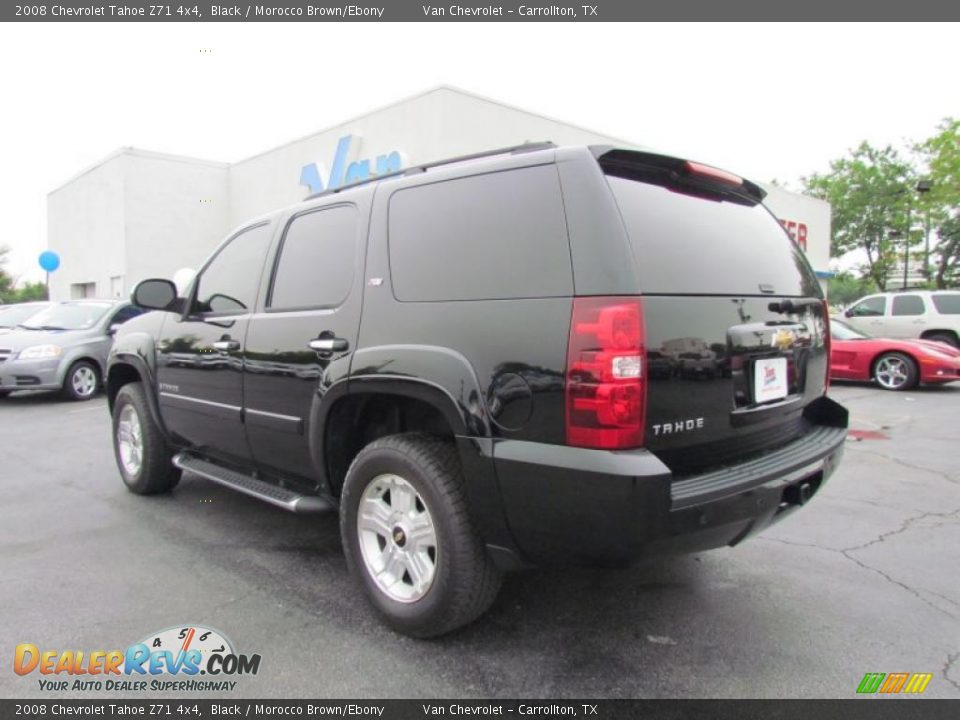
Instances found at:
x=863 y=580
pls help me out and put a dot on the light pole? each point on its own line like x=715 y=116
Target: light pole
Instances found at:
x=896 y=234
x=923 y=187
x=906 y=244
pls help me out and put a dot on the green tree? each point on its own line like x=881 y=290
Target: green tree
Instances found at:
x=6 y=282
x=9 y=292
x=31 y=291
x=869 y=192
x=948 y=254
x=845 y=288
x=941 y=204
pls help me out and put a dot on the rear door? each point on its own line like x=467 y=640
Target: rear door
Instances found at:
x=303 y=337
x=908 y=317
x=730 y=299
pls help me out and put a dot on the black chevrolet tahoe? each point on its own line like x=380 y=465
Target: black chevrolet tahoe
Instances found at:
x=539 y=355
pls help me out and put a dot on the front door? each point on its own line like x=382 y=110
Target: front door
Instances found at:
x=867 y=316
x=305 y=335
x=200 y=355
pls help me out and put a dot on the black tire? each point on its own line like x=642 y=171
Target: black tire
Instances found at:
x=75 y=385
x=907 y=376
x=156 y=473
x=947 y=338
x=465 y=581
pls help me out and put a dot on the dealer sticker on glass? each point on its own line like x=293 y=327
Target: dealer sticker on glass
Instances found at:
x=769 y=379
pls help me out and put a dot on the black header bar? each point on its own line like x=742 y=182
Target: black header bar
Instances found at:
x=433 y=11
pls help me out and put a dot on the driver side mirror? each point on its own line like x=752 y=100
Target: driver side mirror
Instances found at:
x=156 y=294
x=848 y=313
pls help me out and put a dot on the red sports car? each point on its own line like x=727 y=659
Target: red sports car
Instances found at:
x=894 y=364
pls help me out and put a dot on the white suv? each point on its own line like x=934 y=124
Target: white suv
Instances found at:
x=931 y=315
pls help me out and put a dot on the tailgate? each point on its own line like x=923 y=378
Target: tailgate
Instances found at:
x=739 y=378
x=736 y=335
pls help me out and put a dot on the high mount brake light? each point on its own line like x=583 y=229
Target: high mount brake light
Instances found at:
x=713 y=173
x=606 y=382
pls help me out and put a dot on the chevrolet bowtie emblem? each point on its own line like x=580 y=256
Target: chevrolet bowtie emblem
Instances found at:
x=783 y=339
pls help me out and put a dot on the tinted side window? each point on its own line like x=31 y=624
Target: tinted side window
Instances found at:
x=947 y=304
x=315 y=268
x=229 y=283
x=908 y=305
x=126 y=313
x=870 y=306
x=499 y=235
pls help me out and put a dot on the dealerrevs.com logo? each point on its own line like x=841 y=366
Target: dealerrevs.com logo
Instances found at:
x=169 y=660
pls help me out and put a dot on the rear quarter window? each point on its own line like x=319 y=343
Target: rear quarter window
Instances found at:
x=947 y=304
x=492 y=236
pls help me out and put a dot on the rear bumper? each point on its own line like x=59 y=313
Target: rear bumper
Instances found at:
x=571 y=505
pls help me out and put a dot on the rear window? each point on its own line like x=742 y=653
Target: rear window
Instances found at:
x=492 y=236
x=696 y=244
x=947 y=304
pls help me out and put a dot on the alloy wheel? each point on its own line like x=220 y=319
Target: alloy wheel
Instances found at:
x=130 y=440
x=398 y=538
x=892 y=372
x=84 y=381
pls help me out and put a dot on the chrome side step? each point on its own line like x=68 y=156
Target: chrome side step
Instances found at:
x=281 y=497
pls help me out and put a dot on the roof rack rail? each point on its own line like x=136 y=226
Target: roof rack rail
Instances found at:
x=511 y=150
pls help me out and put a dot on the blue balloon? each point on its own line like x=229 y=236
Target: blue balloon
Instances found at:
x=49 y=260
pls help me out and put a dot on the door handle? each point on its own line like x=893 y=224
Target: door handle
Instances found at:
x=226 y=345
x=329 y=344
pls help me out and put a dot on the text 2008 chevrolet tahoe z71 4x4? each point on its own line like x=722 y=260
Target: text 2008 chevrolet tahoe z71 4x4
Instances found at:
x=539 y=355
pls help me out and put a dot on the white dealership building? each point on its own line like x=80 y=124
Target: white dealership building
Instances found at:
x=139 y=214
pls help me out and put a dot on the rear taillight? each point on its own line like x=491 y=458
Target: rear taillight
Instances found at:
x=606 y=384
x=826 y=343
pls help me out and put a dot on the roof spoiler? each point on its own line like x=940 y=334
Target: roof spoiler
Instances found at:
x=673 y=173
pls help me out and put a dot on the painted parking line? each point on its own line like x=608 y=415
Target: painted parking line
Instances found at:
x=100 y=406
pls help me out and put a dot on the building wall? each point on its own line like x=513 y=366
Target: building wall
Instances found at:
x=807 y=220
x=177 y=212
x=85 y=221
x=440 y=124
x=136 y=215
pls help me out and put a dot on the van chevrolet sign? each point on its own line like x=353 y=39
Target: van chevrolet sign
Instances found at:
x=345 y=171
